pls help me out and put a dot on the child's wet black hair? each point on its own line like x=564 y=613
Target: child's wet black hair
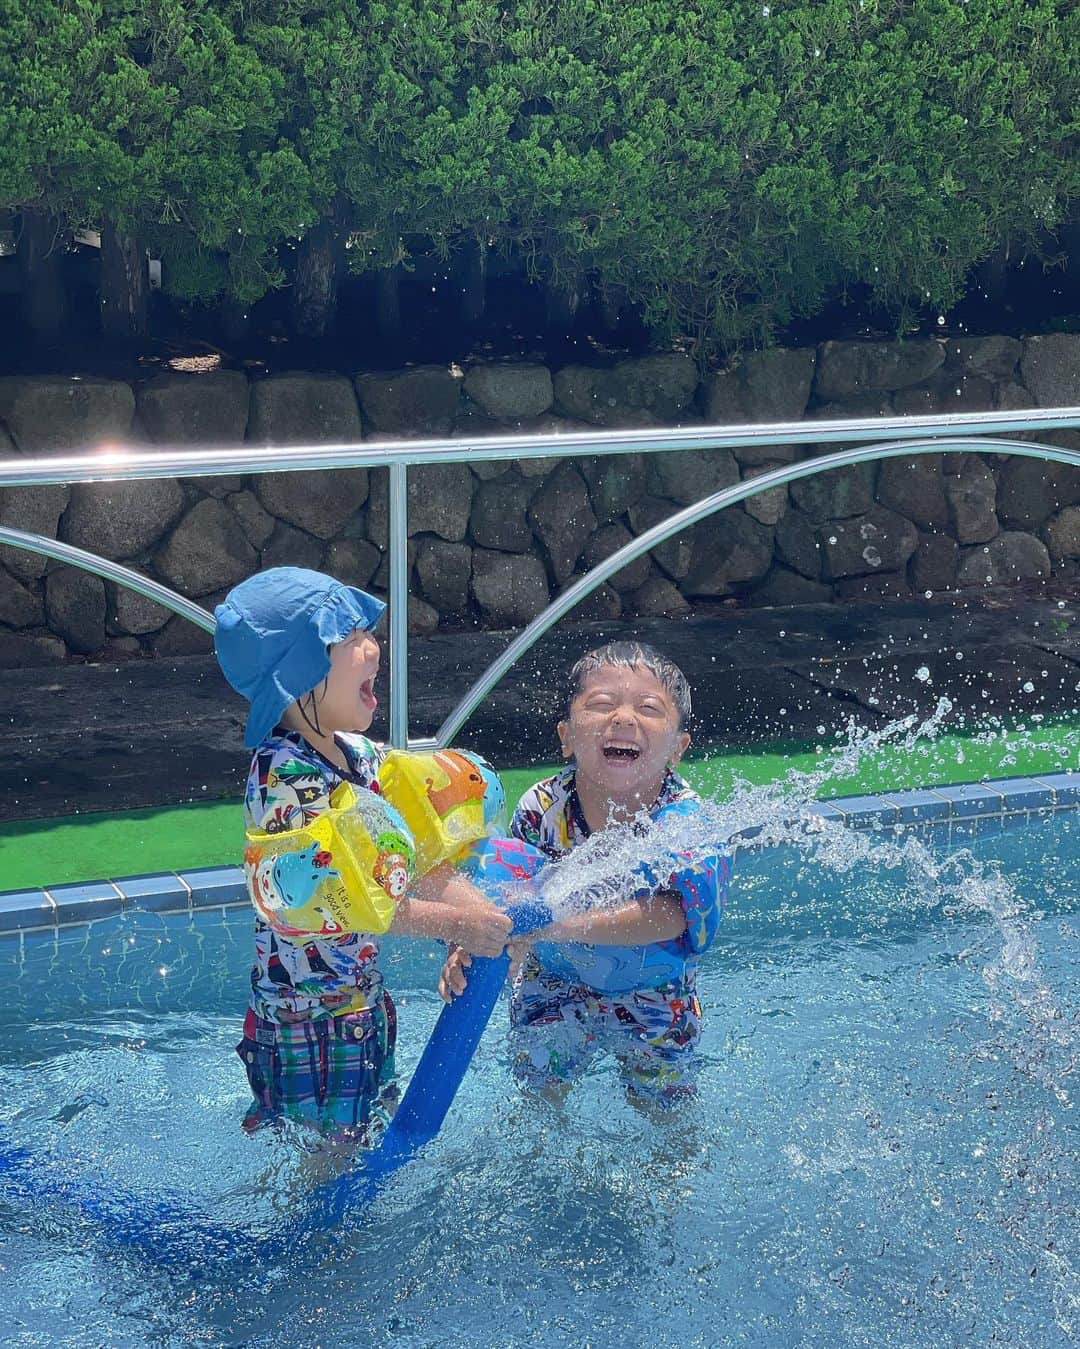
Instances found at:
x=631 y=654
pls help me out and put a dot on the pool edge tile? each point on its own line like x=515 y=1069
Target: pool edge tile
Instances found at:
x=24 y=910
x=77 y=903
x=209 y=886
x=970 y=800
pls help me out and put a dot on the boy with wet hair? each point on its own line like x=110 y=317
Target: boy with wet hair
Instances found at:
x=622 y=978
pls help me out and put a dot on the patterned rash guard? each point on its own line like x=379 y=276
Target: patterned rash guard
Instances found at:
x=550 y=816
x=289 y=785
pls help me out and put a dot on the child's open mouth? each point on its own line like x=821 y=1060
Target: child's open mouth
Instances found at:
x=367 y=692
x=617 y=753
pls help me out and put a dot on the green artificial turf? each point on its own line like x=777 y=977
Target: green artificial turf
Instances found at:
x=87 y=847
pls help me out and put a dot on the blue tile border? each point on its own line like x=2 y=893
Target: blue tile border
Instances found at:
x=161 y=892
x=967 y=809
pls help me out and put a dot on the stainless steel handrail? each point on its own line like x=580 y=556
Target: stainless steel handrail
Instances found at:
x=113 y=463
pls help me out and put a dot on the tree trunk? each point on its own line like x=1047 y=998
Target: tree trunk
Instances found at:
x=315 y=282
x=388 y=301
x=473 y=281
x=993 y=276
x=44 y=300
x=124 y=287
x=610 y=305
x=561 y=300
x=235 y=319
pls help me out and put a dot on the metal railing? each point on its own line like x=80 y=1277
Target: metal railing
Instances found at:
x=952 y=433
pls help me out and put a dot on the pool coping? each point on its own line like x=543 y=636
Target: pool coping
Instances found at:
x=970 y=807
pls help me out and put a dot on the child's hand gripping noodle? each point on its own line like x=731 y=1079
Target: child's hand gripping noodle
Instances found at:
x=697 y=875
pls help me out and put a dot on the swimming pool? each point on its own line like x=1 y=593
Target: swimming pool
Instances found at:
x=883 y=1150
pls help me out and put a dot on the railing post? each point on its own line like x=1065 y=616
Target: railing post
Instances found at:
x=399 y=606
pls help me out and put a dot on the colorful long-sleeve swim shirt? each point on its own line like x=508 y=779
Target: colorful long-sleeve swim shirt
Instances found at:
x=292 y=979
x=550 y=817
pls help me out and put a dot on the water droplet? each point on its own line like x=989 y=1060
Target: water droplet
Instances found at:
x=941 y=320
x=922 y=674
x=1029 y=687
x=929 y=595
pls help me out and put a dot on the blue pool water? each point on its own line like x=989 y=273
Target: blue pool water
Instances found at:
x=883 y=1151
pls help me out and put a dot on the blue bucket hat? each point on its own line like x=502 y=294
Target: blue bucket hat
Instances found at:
x=272 y=636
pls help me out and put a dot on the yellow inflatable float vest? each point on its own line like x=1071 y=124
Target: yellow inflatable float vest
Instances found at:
x=346 y=870
x=343 y=872
x=448 y=799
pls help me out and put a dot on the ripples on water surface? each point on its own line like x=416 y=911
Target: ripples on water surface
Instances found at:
x=883 y=1150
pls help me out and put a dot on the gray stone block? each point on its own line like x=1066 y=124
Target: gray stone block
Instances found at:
x=845 y=369
x=499 y=517
x=202 y=410
x=1013 y=556
x=836 y=493
x=731 y=551
x=512 y=390
x=510 y=589
x=912 y=486
x=934 y=564
x=34 y=510
x=206 y=551
x=609 y=539
x=319 y=502
x=444 y=571
x=972 y=499
x=1050 y=369
x=686 y=476
x=878 y=541
x=75 y=607
x=20 y=606
x=419 y=403
x=297 y=408
x=562 y=518
x=121 y=519
x=49 y=414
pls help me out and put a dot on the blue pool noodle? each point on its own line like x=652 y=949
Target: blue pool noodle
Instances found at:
x=438 y=1075
x=170 y=1234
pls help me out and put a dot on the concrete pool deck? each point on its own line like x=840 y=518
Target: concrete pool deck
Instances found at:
x=103 y=737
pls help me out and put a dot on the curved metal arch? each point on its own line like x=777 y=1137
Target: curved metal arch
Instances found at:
x=690 y=515
x=109 y=571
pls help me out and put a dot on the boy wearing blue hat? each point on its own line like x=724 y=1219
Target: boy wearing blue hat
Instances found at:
x=319 y=1033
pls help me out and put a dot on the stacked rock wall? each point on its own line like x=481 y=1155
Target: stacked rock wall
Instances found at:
x=490 y=543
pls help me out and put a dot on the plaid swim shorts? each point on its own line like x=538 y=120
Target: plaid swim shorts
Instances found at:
x=334 y=1073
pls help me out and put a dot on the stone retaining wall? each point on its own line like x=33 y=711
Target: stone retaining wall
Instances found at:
x=490 y=542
